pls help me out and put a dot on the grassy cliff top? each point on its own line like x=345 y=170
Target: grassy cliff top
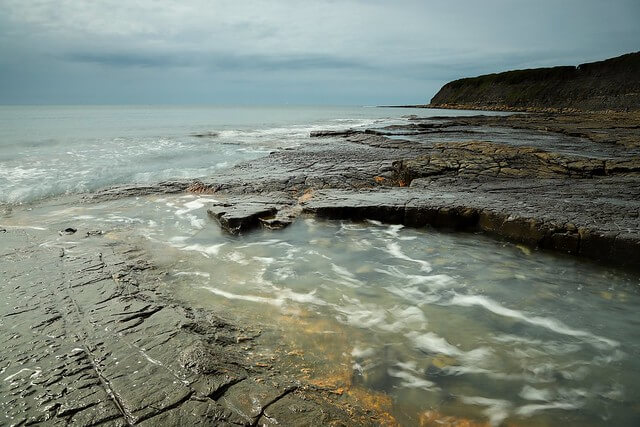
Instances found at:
x=612 y=84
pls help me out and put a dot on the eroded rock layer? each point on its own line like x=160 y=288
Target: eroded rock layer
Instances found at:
x=569 y=183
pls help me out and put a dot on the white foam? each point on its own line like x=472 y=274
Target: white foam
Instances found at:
x=284 y=296
x=394 y=250
x=530 y=393
x=393 y=230
x=237 y=257
x=194 y=205
x=22 y=227
x=192 y=273
x=283 y=273
x=207 y=251
x=528 y=410
x=197 y=223
x=361 y=353
x=433 y=282
x=548 y=323
x=432 y=343
x=346 y=276
x=410 y=380
x=473 y=370
x=81 y=217
x=264 y=260
x=497 y=410
x=178 y=239
x=269 y=242
x=362 y=316
x=411 y=318
x=250 y=298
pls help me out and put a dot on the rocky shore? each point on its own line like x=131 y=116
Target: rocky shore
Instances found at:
x=567 y=183
x=92 y=337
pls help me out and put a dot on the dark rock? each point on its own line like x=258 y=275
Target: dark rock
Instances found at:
x=206 y=134
x=69 y=230
x=332 y=133
x=242 y=217
x=275 y=223
x=250 y=398
x=202 y=358
x=613 y=84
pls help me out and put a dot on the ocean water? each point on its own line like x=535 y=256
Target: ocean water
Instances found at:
x=52 y=150
x=447 y=327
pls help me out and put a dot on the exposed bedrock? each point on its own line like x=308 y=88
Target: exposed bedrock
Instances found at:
x=579 y=197
x=557 y=229
x=486 y=160
x=91 y=338
x=238 y=215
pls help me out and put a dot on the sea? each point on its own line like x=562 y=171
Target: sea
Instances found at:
x=48 y=151
x=449 y=327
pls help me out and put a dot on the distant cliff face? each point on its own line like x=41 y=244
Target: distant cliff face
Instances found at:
x=613 y=84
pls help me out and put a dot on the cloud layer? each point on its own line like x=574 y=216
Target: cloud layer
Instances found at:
x=319 y=51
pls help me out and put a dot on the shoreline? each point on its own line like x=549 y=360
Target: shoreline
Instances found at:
x=401 y=181
x=103 y=302
x=505 y=108
x=99 y=336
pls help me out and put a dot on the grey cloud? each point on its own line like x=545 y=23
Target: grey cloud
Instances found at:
x=348 y=51
x=227 y=62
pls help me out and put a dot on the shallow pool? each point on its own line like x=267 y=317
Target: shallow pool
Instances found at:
x=443 y=324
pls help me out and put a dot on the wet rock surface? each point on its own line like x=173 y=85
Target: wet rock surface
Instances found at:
x=576 y=189
x=238 y=215
x=91 y=337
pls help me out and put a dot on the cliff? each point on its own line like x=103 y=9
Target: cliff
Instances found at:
x=612 y=84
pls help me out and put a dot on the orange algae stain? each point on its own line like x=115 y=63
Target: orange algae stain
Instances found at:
x=335 y=382
x=402 y=183
x=379 y=179
x=436 y=419
x=200 y=188
x=378 y=403
x=306 y=196
x=321 y=351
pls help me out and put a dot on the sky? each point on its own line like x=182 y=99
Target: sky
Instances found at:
x=348 y=52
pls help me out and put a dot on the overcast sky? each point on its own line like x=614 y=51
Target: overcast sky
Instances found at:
x=358 y=52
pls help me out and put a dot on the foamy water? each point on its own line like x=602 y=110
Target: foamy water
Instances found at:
x=455 y=323
x=51 y=150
